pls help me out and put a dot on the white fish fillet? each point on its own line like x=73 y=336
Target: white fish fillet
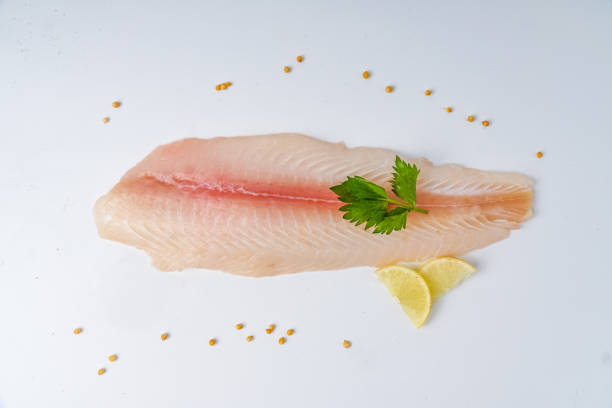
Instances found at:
x=261 y=206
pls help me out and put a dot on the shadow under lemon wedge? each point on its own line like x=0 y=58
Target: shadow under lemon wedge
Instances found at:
x=416 y=290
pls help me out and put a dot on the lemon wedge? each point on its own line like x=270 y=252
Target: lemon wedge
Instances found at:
x=410 y=289
x=443 y=274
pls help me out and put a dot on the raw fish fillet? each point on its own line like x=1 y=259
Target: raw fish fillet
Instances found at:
x=261 y=206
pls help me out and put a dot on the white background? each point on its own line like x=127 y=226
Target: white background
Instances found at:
x=533 y=328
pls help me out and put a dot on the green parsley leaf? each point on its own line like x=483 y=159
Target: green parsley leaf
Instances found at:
x=369 y=203
x=358 y=188
x=404 y=180
x=394 y=220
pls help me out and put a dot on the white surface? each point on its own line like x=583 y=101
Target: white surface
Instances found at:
x=532 y=328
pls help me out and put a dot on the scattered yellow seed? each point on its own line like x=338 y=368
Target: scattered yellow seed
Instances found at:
x=101 y=371
x=449 y=109
x=470 y=118
x=539 y=155
x=282 y=340
x=389 y=89
x=105 y=119
x=212 y=342
x=116 y=104
x=78 y=330
x=112 y=357
x=428 y=92
x=239 y=326
x=164 y=336
x=366 y=74
x=290 y=332
x=223 y=86
x=346 y=344
x=299 y=58
x=268 y=330
x=249 y=338
x=485 y=123
x=272 y=327
x=287 y=69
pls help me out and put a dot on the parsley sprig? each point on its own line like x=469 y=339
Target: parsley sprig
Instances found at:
x=369 y=203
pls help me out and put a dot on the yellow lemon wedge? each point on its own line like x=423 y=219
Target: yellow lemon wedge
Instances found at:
x=443 y=274
x=410 y=289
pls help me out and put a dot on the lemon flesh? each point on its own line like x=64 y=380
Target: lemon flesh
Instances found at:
x=443 y=274
x=410 y=289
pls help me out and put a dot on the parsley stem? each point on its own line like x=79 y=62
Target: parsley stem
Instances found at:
x=402 y=204
x=408 y=206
